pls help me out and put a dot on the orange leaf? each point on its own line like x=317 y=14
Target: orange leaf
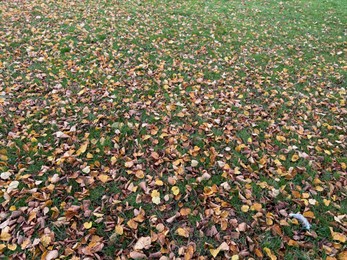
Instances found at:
x=309 y=214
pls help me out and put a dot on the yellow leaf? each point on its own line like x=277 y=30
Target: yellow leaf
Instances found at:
x=326 y=202
x=175 y=190
x=119 y=230
x=237 y=170
x=319 y=188
x=12 y=247
x=182 y=232
x=295 y=157
x=155 y=197
x=89 y=156
x=282 y=157
x=214 y=252
x=180 y=114
x=3 y=157
x=269 y=221
x=87 y=225
x=155 y=193
x=159 y=182
x=156 y=200
x=103 y=178
x=145 y=137
x=113 y=160
x=338 y=236
x=244 y=208
x=280 y=138
x=45 y=240
x=277 y=162
x=5 y=236
x=235 y=257
x=270 y=254
x=129 y=164
x=82 y=149
x=139 y=174
x=2 y=247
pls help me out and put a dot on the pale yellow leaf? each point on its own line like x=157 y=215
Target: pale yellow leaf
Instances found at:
x=86 y=169
x=182 y=232
x=244 y=208
x=87 y=225
x=214 y=252
x=175 y=190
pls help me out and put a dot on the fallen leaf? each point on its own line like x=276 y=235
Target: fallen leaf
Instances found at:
x=119 y=230
x=137 y=255
x=13 y=185
x=53 y=254
x=142 y=243
x=82 y=148
x=270 y=254
x=103 y=178
x=194 y=163
x=155 y=197
x=244 y=208
x=295 y=157
x=338 y=236
x=5 y=175
x=175 y=190
x=129 y=164
x=182 y=232
x=86 y=169
x=87 y=225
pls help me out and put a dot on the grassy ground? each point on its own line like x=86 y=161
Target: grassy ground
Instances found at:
x=173 y=128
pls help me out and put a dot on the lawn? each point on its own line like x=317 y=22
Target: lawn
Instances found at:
x=167 y=129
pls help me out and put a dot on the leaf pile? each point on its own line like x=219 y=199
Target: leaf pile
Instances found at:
x=162 y=129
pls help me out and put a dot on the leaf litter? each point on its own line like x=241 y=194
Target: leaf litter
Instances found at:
x=165 y=129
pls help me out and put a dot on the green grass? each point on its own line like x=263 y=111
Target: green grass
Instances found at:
x=135 y=77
